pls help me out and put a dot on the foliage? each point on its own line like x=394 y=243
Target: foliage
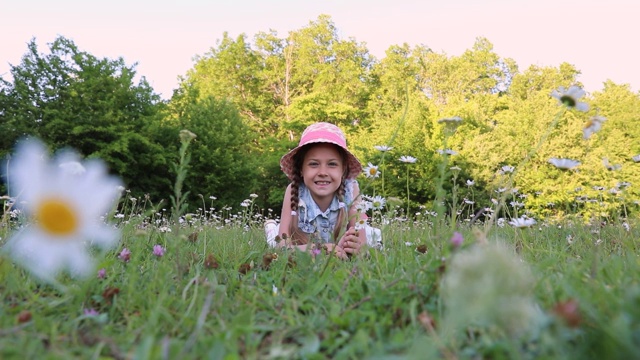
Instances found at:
x=70 y=98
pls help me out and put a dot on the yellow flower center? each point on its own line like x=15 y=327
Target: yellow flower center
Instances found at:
x=373 y=171
x=57 y=217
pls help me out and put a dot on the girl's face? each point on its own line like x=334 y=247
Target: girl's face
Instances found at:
x=322 y=170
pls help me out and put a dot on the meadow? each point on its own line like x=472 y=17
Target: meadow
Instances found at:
x=216 y=290
x=148 y=280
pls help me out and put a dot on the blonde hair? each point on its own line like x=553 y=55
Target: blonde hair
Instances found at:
x=297 y=237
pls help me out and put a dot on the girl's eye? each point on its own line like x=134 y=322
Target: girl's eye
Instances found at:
x=333 y=164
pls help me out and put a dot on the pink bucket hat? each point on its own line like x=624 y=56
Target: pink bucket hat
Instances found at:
x=322 y=132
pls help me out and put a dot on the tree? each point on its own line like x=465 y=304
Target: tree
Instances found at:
x=70 y=98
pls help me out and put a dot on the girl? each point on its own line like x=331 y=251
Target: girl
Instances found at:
x=320 y=204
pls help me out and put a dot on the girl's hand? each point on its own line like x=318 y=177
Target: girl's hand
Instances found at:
x=351 y=242
x=338 y=250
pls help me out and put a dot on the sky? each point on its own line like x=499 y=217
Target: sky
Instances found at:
x=163 y=36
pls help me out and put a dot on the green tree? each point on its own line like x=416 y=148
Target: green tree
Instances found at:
x=70 y=98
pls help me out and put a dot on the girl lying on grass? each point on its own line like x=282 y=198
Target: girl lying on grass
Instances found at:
x=321 y=203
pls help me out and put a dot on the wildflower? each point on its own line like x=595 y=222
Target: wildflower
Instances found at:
x=470 y=183
x=522 y=222
x=383 y=148
x=371 y=171
x=455 y=168
x=24 y=316
x=253 y=196
x=361 y=224
x=564 y=164
x=506 y=169
x=363 y=206
x=636 y=158
x=610 y=167
x=408 y=159
x=65 y=207
x=91 y=312
x=450 y=120
x=73 y=168
x=186 y=136
x=593 y=125
x=569 y=97
x=446 y=151
x=569 y=312
x=102 y=273
x=274 y=290
x=498 y=282
x=456 y=239
x=377 y=202
x=125 y=255
x=158 y=250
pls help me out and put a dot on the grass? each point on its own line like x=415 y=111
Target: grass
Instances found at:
x=387 y=304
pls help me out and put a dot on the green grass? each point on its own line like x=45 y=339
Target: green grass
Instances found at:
x=373 y=306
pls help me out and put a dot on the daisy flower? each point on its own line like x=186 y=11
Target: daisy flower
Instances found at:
x=507 y=169
x=471 y=183
x=569 y=97
x=636 y=158
x=371 y=171
x=408 y=159
x=450 y=120
x=610 y=167
x=377 y=202
x=522 y=222
x=383 y=148
x=446 y=151
x=65 y=207
x=593 y=126
x=564 y=164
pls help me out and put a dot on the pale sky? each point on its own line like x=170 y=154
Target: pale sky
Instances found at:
x=598 y=37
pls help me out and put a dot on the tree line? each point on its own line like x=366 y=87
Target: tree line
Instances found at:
x=248 y=100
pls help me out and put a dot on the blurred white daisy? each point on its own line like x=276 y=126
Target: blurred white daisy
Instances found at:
x=564 y=164
x=446 y=151
x=506 y=169
x=383 y=148
x=522 y=222
x=569 y=97
x=371 y=171
x=408 y=159
x=636 y=158
x=593 y=125
x=471 y=183
x=65 y=207
x=451 y=120
x=609 y=166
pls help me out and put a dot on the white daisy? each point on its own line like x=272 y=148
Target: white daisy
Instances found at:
x=522 y=222
x=371 y=171
x=408 y=159
x=471 y=183
x=383 y=148
x=66 y=208
x=569 y=97
x=593 y=125
x=377 y=202
x=564 y=164
x=636 y=158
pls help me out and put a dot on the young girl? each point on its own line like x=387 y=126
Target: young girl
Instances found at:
x=320 y=204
